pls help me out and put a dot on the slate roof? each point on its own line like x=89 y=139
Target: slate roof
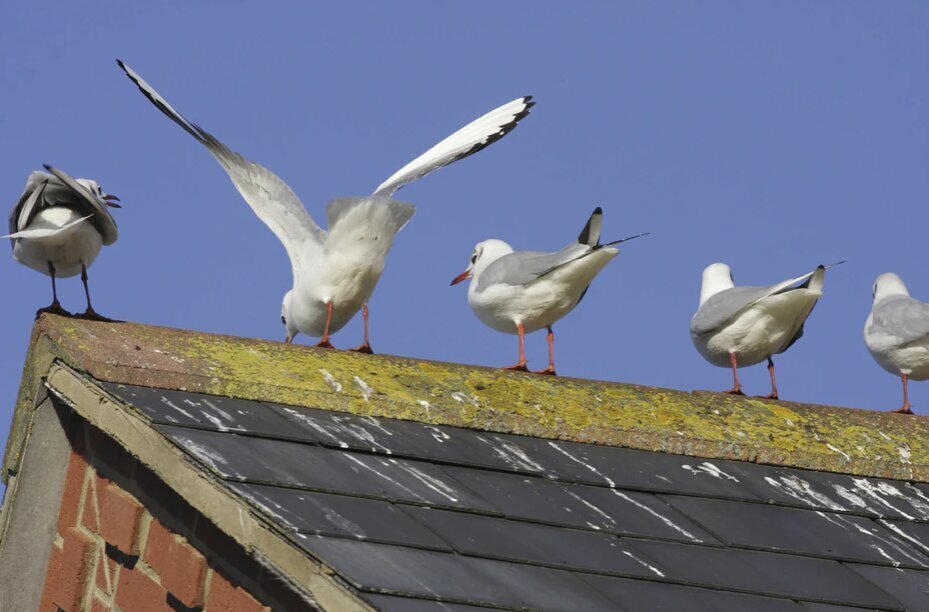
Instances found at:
x=434 y=517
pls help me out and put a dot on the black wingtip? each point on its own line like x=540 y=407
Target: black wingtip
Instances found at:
x=47 y=167
x=598 y=211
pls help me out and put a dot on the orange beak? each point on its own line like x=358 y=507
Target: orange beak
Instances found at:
x=463 y=276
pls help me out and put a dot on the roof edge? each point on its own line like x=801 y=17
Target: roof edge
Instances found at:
x=708 y=425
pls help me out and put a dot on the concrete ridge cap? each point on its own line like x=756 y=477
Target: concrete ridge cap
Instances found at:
x=701 y=424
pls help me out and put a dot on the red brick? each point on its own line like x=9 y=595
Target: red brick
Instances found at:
x=226 y=597
x=71 y=496
x=111 y=458
x=68 y=569
x=96 y=605
x=136 y=591
x=120 y=515
x=90 y=513
x=181 y=567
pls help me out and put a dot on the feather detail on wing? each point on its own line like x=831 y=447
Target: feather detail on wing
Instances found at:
x=903 y=318
x=470 y=139
x=721 y=308
x=267 y=194
x=87 y=203
x=46 y=231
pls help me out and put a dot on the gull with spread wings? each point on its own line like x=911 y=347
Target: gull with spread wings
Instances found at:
x=335 y=271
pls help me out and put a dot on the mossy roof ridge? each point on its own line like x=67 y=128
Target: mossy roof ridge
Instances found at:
x=709 y=425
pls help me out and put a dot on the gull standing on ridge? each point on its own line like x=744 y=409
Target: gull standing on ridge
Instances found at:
x=519 y=292
x=897 y=333
x=742 y=326
x=335 y=272
x=58 y=226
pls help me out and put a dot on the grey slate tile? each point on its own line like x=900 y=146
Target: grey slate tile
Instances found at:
x=409 y=571
x=391 y=603
x=631 y=469
x=827 y=491
x=207 y=411
x=910 y=587
x=261 y=460
x=764 y=573
x=340 y=515
x=821 y=607
x=647 y=596
x=539 y=544
x=597 y=508
x=916 y=534
x=817 y=533
x=405 y=438
x=639 y=514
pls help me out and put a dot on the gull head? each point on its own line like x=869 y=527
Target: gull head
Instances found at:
x=285 y=319
x=485 y=253
x=716 y=277
x=888 y=284
x=94 y=187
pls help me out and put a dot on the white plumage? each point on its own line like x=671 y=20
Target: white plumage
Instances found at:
x=897 y=332
x=335 y=272
x=58 y=227
x=519 y=292
x=742 y=326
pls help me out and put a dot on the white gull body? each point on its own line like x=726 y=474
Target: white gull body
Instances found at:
x=58 y=226
x=742 y=326
x=335 y=272
x=519 y=292
x=897 y=332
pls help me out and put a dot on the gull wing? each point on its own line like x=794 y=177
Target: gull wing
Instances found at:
x=26 y=205
x=47 y=231
x=87 y=203
x=901 y=317
x=524 y=267
x=470 y=139
x=726 y=305
x=269 y=196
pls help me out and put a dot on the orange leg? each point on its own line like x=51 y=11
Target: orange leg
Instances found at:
x=736 y=388
x=521 y=366
x=324 y=341
x=366 y=347
x=550 y=370
x=773 y=394
x=906 y=399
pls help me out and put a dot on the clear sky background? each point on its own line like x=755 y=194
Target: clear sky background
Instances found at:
x=772 y=136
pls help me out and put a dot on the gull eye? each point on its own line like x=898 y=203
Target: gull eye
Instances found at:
x=474 y=258
x=282 y=320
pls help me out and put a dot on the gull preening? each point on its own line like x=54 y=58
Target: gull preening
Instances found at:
x=519 y=292
x=58 y=226
x=335 y=272
x=897 y=333
x=742 y=326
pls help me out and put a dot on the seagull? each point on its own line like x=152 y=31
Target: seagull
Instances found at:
x=57 y=228
x=897 y=333
x=335 y=272
x=519 y=292
x=745 y=325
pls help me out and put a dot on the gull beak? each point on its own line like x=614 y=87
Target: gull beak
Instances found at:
x=463 y=276
x=108 y=199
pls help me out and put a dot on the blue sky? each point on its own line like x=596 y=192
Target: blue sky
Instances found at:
x=772 y=136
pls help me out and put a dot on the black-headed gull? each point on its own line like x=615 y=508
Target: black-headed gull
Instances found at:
x=335 y=272
x=742 y=326
x=897 y=333
x=519 y=292
x=57 y=228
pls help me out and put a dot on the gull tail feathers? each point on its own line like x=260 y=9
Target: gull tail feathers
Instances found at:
x=590 y=235
x=45 y=232
x=477 y=135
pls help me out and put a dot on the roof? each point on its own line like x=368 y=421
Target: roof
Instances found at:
x=407 y=482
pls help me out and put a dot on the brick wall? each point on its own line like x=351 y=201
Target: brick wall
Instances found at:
x=112 y=553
